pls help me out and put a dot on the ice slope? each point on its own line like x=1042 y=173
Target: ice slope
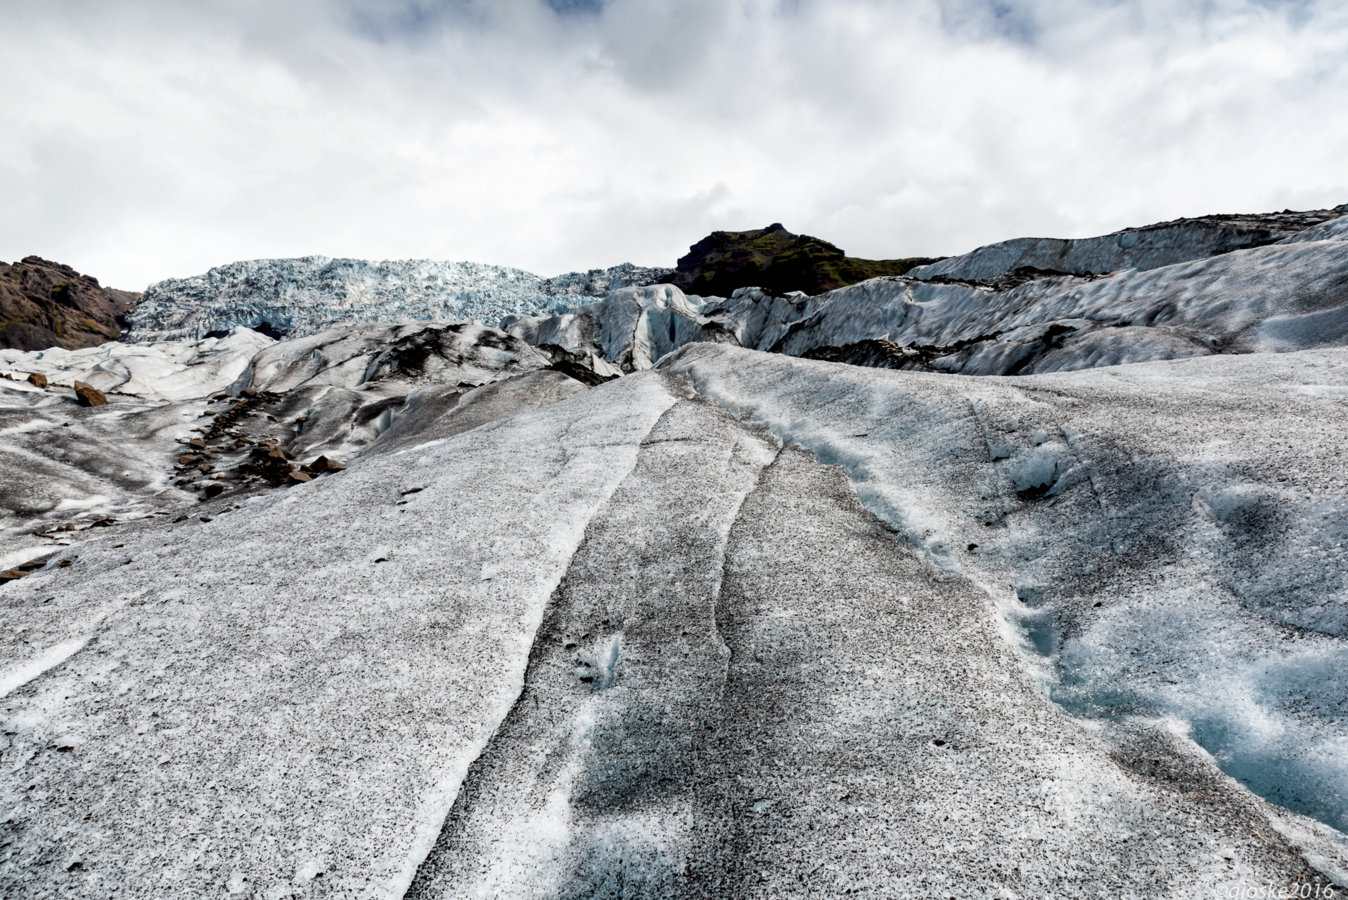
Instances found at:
x=330 y=394
x=303 y=296
x=621 y=645
x=65 y=464
x=289 y=695
x=1275 y=298
x=1150 y=247
x=1333 y=230
x=165 y=371
x=1169 y=536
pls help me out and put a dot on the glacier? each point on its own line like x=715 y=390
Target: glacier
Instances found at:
x=667 y=596
x=302 y=296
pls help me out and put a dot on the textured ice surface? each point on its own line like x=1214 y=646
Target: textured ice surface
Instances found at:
x=306 y=295
x=1333 y=230
x=287 y=697
x=173 y=370
x=330 y=394
x=619 y=646
x=1169 y=536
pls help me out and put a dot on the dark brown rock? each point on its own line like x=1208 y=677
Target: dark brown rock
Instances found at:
x=37 y=379
x=777 y=261
x=198 y=443
x=299 y=477
x=323 y=464
x=188 y=460
x=89 y=395
x=45 y=304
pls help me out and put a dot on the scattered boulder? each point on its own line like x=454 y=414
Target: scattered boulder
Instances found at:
x=37 y=379
x=89 y=395
x=323 y=464
x=299 y=477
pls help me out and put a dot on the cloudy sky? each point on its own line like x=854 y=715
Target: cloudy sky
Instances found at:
x=158 y=138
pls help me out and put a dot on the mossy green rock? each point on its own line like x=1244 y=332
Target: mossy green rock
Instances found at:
x=776 y=260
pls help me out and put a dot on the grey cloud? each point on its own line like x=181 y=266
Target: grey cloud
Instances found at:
x=158 y=138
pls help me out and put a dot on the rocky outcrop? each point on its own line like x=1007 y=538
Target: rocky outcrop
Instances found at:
x=777 y=261
x=45 y=304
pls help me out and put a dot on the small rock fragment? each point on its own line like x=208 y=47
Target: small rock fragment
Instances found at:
x=37 y=379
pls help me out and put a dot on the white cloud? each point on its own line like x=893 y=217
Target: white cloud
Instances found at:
x=145 y=140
